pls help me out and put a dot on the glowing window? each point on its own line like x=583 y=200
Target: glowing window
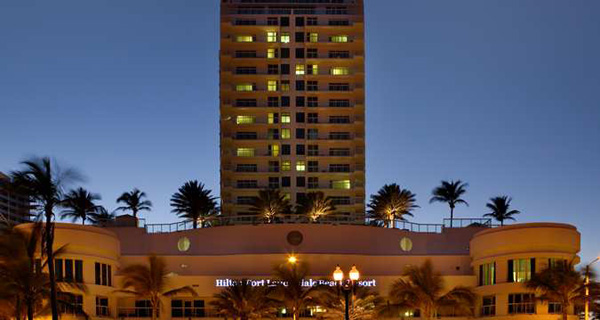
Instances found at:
x=300 y=166
x=313 y=37
x=244 y=39
x=271 y=118
x=285 y=85
x=285 y=37
x=245 y=152
x=244 y=119
x=340 y=71
x=286 y=118
x=299 y=69
x=274 y=150
x=271 y=36
x=183 y=244
x=521 y=269
x=314 y=69
x=272 y=85
x=487 y=274
x=271 y=53
x=286 y=133
x=340 y=38
x=340 y=184
x=286 y=165
x=244 y=87
x=287 y=196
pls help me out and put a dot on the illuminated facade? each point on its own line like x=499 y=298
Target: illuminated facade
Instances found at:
x=292 y=95
x=494 y=261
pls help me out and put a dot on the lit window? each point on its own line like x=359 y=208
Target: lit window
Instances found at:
x=340 y=184
x=314 y=69
x=285 y=37
x=244 y=39
x=274 y=148
x=244 y=119
x=244 y=87
x=271 y=36
x=340 y=71
x=245 y=152
x=339 y=39
x=285 y=85
x=272 y=118
x=272 y=85
x=271 y=53
x=287 y=196
x=313 y=37
x=300 y=166
x=286 y=165
x=286 y=118
x=487 y=274
x=285 y=133
x=520 y=269
x=299 y=69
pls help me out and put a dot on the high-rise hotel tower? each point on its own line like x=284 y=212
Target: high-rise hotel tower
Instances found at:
x=292 y=101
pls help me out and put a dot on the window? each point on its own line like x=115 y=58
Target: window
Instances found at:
x=286 y=149
x=339 y=54
x=299 y=53
x=240 y=167
x=245 y=152
x=313 y=117
x=300 y=166
x=184 y=308
x=245 y=200
x=273 y=69
x=340 y=38
x=300 y=182
x=273 y=183
x=247 y=184
x=272 y=101
x=299 y=37
x=339 y=119
x=273 y=150
x=285 y=85
x=313 y=37
x=313 y=150
x=286 y=165
x=521 y=303
x=340 y=184
x=285 y=53
x=299 y=69
x=312 y=85
x=339 y=168
x=341 y=200
x=284 y=21
x=273 y=134
x=244 y=87
x=271 y=36
x=245 y=70
x=300 y=133
x=273 y=118
x=285 y=69
x=312 y=69
x=312 y=21
x=285 y=37
x=244 y=119
x=520 y=270
x=340 y=71
x=339 y=152
x=286 y=118
x=313 y=166
x=300 y=149
x=312 y=53
x=313 y=134
x=555 y=263
x=337 y=103
x=271 y=53
x=286 y=133
x=244 y=39
x=554 y=307
x=245 y=103
x=79 y=271
x=299 y=117
x=73 y=303
x=313 y=102
x=68 y=270
x=488 y=306
x=246 y=135
x=102 y=309
x=339 y=136
x=103 y=273
x=285 y=101
x=300 y=85
x=339 y=22
x=271 y=85
x=245 y=22
x=245 y=54
x=299 y=21
x=300 y=101
x=487 y=274
x=313 y=182
x=272 y=21
x=339 y=87
x=286 y=182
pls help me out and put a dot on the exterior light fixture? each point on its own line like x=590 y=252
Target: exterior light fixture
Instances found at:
x=354 y=274
x=292 y=259
x=338 y=274
x=348 y=286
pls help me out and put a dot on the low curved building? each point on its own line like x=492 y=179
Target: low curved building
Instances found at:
x=494 y=261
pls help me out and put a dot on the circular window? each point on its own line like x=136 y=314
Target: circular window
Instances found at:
x=183 y=244
x=406 y=244
x=295 y=238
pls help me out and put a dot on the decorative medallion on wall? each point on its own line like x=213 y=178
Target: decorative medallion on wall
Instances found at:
x=183 y=244
x=406 y=244
x=295 y=238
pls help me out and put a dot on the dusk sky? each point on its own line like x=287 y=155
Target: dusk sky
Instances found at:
x=504 y=95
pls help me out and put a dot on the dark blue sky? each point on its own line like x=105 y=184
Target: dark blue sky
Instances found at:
x=502 y=94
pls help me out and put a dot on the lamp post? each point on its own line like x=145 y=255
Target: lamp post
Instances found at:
x=587 y=288
x=347 y=286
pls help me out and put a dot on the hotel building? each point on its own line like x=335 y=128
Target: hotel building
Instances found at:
x=292 y=102
x=14 y=207
x=493 y=261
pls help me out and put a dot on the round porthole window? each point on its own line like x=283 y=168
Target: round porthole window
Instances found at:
x=406 y=244
x=295 y=238
x=183 y=244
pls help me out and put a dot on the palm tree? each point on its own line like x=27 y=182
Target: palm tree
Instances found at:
x=102 y=216
x=79 y=204
x=559 y=283
x=44 y=183
x=366 y=304
x=390 y=203
x=423 y=289
x=244 y=301
x=500 y=207
x=134 y=202
x=450 y=193
x=293 y=296
x=270 y=203
x=150 y=282
x=315 y=205
x=193 y=202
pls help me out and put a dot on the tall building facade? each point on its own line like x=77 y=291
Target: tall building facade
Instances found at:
x=292 y=102
x=14 y=207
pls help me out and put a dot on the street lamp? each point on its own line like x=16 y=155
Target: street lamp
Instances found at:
x=587 y=288
x=346 y=286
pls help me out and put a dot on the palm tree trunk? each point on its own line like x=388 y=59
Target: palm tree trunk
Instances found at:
x=564 y=313
x=195 y=223
x=451 y=215
x=49 y=237
x=29 y=309
x=18 y=308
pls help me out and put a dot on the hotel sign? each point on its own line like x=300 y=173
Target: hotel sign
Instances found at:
x=227 y=282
